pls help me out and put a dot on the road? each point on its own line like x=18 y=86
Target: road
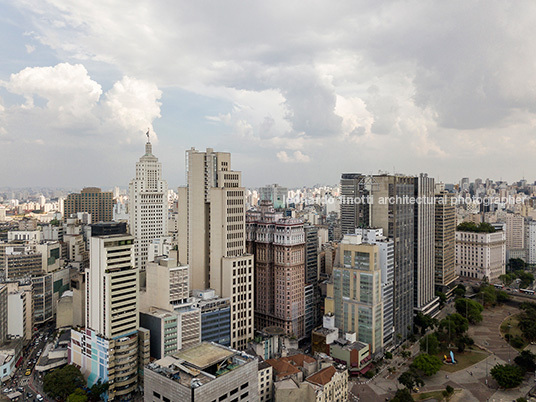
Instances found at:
x=32 y=383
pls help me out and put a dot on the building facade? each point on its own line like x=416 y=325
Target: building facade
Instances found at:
x=279 y=247
x=212 y=236
x=148 y=205
x=445 y=241
x=481 y=255
x=93 y=201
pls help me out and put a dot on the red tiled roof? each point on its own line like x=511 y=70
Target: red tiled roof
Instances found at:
x=323 y=376
x=282 y=368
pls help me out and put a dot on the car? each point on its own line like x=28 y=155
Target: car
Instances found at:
x=28 y=372
x=39 y=397
x=29 y=395
x=20 y=389
x=8 y=390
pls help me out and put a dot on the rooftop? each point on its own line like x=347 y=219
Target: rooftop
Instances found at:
x=204 y=355
x=323 y=376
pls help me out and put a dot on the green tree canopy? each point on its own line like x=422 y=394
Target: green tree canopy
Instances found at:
x=410 y=379
x=483 y=227
x=488 y=295
x=507 y=279
x=470 y=309
x=79 y=395
x=97 y=389
x=455 y=323
x=430 y=344
x=424 y=322
x=402 y=395
x=516 y=264
x=426 y=363
x=526 y=361
x=507 y=375
x=62 y=382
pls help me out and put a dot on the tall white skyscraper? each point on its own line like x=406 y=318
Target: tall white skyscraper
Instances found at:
x=212 y=238
x=148 y=206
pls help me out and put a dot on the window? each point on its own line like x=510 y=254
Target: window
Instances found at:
x=245 y=385
x=222 y=397
x=166 y=399
x=156 y=394
x=245 y=395
x=234 y=391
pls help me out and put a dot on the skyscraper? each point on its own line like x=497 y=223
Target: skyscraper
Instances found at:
x=93 y=201
x=212 y=236
x=148 y=205
x=107 y=349
x=354 y=213
x=445 y=241
x=397 y=221
x=426 y=301
x=279 y=247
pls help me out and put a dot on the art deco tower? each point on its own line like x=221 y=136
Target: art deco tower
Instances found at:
x=148 y=205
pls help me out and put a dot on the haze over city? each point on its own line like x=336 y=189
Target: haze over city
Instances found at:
x=310 y=90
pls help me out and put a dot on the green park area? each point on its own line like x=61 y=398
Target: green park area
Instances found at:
x=463 y=360
x=511 y=331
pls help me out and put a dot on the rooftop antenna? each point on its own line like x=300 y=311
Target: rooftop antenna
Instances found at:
x=147 y=134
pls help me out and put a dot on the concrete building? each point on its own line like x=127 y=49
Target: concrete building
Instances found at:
x=42 y=288
x=425 y=300
x=215 y=316
x=397 y=219
x=91 y=200
x=279 y=247
x=481 y=255
x=3 y=313
x=354 y=204
x=265 y=382
x=172 y=317
x=274 y=193
x=354 y=295
x=109 y=347
x=386 y=264
x=515 y=232
x=20 y=309
x=530 y=241
x=212 y=236
x=355 y=355
x=203 y=373
x=445 y=241
x=148 y=205
x=330 y=384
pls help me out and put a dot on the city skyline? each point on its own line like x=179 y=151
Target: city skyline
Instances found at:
x=312 y=91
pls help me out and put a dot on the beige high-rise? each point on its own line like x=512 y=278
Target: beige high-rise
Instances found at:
x=212 y=236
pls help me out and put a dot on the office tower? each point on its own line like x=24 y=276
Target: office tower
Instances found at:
x=313 y=298
x=274 y=193
x=279 y=247
x=386 y=264
x=397 y=221
x=20 y=309
x=354 y=295
x=425 y=300
x=147 y=205
x=203 y=373
x=212 y=236
x=481 y=255
x=515 y=232
x=354 y=208
x=91 y=200
x=445 y=241
x=3 y=313
x=215 y=317
x=167 y=310
x=108 y=348
x=530 y=241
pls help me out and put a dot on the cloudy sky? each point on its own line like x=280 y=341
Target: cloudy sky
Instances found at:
x=297 y=91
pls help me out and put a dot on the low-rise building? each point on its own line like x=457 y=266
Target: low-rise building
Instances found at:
x=265 y=382
x=203 y=373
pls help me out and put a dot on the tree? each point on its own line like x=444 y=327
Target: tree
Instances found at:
x=449 y=390
x=410 y=379
x=97 y=390
x=459 y=292
x=506 y=279
x=526 y=361
x=442 y=298
x=464 y=341
x=470 y=309
x=455 y=323
x=483 y=227
x=426 y=363
x=424 y=322
x=526 y=279
x=516 y=264
x=488 y=295
x=430 y=344
x=502 y=296
x=62 y=382
x=402 y=395
x=79 y=395
x=507 y=375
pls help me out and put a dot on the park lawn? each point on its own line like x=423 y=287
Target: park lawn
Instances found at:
x=464 y=360
x=514 y=330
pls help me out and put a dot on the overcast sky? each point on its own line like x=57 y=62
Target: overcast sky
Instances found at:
x=297 y=91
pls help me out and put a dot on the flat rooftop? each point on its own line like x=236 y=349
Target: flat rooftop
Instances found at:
x=204 y=355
